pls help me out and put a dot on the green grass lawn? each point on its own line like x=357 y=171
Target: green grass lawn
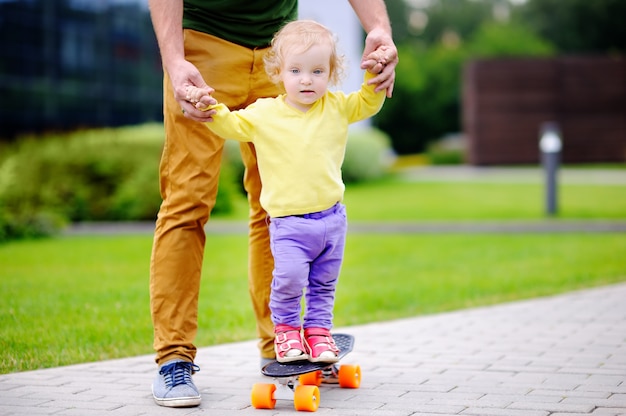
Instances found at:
x=76 y=299
x=392 y=200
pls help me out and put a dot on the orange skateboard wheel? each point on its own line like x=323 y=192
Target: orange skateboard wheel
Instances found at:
x=350 y=376
x=262 y=396
x=306 y=398
x=311 y=379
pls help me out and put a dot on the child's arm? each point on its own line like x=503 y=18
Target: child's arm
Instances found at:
x=225 y=123
x=365 y=102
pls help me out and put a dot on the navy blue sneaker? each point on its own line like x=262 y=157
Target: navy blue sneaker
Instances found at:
x=173 y=386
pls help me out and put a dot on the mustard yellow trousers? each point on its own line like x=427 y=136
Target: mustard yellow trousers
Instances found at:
x=189 y=173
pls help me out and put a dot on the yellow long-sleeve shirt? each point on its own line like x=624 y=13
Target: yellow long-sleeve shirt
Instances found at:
x=299 y=154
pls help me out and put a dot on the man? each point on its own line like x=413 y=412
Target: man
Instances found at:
x=220 y=46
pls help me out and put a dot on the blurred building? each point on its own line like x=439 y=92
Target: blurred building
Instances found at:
x=507 y=100
x=77 y=63
x=67 y=64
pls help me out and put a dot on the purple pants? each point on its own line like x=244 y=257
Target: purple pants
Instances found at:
x=308 y=252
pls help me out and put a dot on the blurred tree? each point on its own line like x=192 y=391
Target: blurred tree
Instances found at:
x=426 y=102
x=578 y=26
x=460 y=17
x=511 y=39
x=436 y=37
x=428 y=21
x=432 y=36
x=398 y=11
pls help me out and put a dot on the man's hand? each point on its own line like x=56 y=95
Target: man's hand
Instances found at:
x=185 y=77
x=380 y=56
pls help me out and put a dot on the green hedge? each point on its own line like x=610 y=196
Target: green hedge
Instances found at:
x=90 y=175
x=368 y=155
x=112 y=175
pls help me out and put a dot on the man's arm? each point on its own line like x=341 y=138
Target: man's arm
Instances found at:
x=167 y=20
x=375 y=21
x=372 y=14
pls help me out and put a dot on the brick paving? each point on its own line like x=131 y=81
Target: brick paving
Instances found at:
x=557 y=356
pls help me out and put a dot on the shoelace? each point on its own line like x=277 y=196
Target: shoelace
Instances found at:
x=178 y=373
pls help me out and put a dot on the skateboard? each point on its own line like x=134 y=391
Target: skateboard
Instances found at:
x=299 y=380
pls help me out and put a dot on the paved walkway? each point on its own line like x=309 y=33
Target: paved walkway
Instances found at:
x=511 y=174
x=561 y=355
x=217 y=226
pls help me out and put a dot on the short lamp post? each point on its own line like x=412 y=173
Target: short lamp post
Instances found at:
x=550 y=144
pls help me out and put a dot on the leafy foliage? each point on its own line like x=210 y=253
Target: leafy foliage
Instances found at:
x=427 y=97
x=578 y=26
x=427 y=21
x=368 y=156
x=436 y=37
x=512 y=39
x=112 y=175
x=91 y=175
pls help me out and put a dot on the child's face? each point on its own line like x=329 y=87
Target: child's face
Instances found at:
x=305 y=76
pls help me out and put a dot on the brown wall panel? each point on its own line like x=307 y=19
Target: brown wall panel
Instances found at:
x=505 y=102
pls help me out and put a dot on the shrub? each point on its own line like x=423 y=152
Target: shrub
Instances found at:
x=450 y=150
x=368 y=155
x=28 y=224
x=112 y=174
x=232 y=160
x=91 y=175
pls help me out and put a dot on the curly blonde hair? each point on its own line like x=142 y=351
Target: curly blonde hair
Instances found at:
x=298 y=36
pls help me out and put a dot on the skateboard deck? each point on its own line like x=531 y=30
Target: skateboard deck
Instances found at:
x=299 y=380
x=345 y=343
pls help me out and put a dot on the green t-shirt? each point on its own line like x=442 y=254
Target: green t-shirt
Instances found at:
x=250 y=23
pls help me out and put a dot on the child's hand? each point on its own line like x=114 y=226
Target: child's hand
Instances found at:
x=199 y=97
x=376 y=61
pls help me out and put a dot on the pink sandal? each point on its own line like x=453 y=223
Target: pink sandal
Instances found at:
x=288 y=344
x=320 y=345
